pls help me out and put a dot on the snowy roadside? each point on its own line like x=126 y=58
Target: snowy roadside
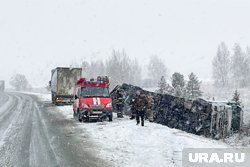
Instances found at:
x=125 y=144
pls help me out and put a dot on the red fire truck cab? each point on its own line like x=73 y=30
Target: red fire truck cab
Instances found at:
x=92 y=100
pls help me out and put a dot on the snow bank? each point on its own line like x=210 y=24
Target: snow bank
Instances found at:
x=126 y=144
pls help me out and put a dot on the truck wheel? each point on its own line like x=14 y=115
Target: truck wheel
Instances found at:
x=75 y=115
x=52 y=98
x=110 y=118
x=79 y=116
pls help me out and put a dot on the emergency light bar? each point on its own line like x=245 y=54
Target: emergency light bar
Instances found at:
x=102 y=81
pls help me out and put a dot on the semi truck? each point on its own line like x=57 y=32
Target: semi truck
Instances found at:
x=92 y=100
x=62 y=84
x=2 y=86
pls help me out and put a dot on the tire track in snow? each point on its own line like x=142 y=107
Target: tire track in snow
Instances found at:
x=40 y=143
x=3 y=99
x=8 y=117
x=13 y=149
x=35 y=136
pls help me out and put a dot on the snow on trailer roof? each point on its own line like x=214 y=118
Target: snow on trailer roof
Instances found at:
x=220 y=104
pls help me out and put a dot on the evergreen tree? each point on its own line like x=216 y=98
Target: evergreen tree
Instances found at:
x=178 y=84
x=236 y=98
x=164 y=87
x=193 y=87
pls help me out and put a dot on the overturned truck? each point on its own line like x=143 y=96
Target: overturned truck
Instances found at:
x=201 y=117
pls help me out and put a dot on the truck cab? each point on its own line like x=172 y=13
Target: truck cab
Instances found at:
x=92 y=100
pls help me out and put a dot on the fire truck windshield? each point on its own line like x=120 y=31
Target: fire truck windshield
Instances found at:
x=94 y=92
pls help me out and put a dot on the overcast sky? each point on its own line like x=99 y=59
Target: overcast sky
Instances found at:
x=38 y=35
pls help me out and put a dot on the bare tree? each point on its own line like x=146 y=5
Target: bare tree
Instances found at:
x=121 y=69
x=85 y=69
x=247 y=64
x=156 y=68
x=239 y=67
x=19 y=82
x=96 y=68
x=221 y=66
x=135 y=73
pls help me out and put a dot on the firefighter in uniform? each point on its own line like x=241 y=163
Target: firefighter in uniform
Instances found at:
x=140 y=107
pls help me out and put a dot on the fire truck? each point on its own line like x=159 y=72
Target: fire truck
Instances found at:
x=92 y=100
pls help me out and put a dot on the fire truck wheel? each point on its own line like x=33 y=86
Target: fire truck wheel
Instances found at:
x=79 y=119
x=75 y=116
x=110 y=118
x=79 y=116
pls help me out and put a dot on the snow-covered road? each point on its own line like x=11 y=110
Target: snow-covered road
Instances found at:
x=35 y=134
x=125 y=144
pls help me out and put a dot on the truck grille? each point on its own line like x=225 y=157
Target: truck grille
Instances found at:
x=96 y=107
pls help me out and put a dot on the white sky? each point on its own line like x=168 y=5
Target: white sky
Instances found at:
x=38 y=35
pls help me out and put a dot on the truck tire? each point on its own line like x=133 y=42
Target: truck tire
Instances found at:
x=110 y=118
x=75 y=115
x=52 y=98
x=79 y=116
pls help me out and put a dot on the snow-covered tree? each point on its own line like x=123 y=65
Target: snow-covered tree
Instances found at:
x=164 y=87
x=221 y=66
x=74 y=64
x=121 y=69
x=135 y=73
x=236 y=98
x=193 y=87
x=93 y=69
x=156 y=68
x=239 y=67
x=19 y=82
x=178 y=84
x=85 y=69
x=247 y=64
x=96 y=68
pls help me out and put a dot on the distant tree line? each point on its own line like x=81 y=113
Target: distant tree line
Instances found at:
x=189 y=89
x=122 y=69
x=231 y=69
x=19 y=82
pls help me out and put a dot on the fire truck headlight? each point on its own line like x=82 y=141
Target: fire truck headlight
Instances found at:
x=109 y=105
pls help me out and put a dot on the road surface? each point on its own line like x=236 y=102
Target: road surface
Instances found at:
x=34 y=133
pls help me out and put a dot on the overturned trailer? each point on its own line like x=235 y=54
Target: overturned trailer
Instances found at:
x=201 y=117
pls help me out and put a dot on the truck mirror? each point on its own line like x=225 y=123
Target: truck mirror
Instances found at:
x=49 y=83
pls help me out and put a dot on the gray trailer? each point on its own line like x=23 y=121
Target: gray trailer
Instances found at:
x=2 y=86
x=62 y=84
